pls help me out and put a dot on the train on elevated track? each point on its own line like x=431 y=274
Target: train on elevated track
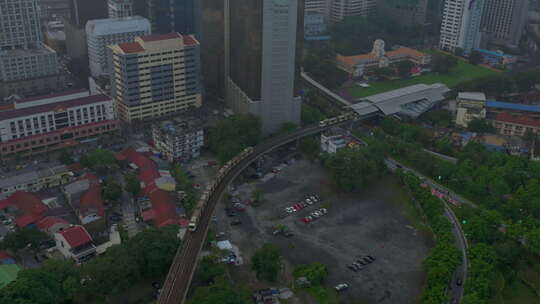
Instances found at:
x=205 y=197
x=334 y=120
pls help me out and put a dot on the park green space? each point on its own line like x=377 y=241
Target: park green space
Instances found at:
x=463 y=72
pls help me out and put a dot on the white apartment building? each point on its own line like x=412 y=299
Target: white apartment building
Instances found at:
x=340 y=9
x=319 y=6
x=102 y=33
x=460 y=26
x=19 y=24
x=120 y=8
x=20 y=64
x=181 y=140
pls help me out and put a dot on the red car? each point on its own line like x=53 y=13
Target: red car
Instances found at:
x=307 y=219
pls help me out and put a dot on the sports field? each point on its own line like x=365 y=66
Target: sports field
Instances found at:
x=464 y=71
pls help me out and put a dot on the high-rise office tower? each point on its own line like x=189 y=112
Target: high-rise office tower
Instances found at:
x=460 y=26
x=503 y=21
x=340 y=9
x=155 y=76
x=263 y=47
x=171 y=16
x=26 y=64
x=211 y=35
x=319 y=6
x=120 y=8
x=405 y=12
x=83 y=10
x=80 y=12
x=101 y=33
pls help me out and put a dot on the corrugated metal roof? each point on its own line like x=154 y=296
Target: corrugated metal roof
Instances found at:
x=512 y=106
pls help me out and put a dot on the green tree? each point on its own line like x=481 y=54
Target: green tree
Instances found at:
x=442 y=63
x=23 y=238
x=352 y=169
x=475 y=57
x=316 y=273
x=56 y=282
x=404 y=68
x=221 y=292
x=98 y=159
x=132 y=185
x=311 y=115
x=481 y=126
x=210 y=268
x=230 y=136
x=112 y=190
x=257 y=196
x=266 y=261
x=310 y=147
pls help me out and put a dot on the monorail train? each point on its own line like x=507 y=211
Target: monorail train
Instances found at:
x=344 y=117
x=201 y=204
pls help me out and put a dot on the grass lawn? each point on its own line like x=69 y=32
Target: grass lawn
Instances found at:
x=519 y=293
x=464 y=71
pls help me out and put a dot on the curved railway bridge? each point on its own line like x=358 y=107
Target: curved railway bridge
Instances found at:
x=181 y=272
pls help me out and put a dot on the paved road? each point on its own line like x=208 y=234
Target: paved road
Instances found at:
x=128 y=209
x=456 y=292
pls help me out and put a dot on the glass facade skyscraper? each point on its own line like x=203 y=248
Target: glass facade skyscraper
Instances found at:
x=263 y=48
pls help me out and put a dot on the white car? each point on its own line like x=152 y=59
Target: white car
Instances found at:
x=323 y=210
x=289 y=210
x=341 y=287
x=316 y=214
x=309 y=202
x=314 y=199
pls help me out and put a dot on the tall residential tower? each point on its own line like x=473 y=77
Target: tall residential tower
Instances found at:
x=503 y=21
x=461 y=25
x=155 y=76
x=263 y=47
x=27 y=66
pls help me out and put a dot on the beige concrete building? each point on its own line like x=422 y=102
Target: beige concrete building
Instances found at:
x=470 y=106
x=155 y=76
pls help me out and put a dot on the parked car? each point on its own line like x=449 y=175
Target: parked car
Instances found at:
x=229 y=212
x=309 y=202
x=236 y=222
x=220 y=235
x=307 y=219
x=371 y=258
x=288 y=234
x=351 y=267
x=341 y=287
x=115 y=218
x=289 y=210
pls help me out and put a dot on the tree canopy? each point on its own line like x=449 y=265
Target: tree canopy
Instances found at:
x=231 y=135
x=352 y=169
x=147 y=255
x=266 y=262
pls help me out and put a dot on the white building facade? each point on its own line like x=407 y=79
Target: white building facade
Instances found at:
x=340 y=9
x=178 y=141
x=460 y=26
x=102 y=33
x=120 y=8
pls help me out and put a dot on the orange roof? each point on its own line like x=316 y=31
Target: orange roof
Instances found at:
x=402 y=51
x=352 y=60
x=405 y=51
x=507 y=117
x=161 y=37
x=131 y=47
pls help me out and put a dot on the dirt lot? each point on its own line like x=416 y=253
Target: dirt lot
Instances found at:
x=371 y=222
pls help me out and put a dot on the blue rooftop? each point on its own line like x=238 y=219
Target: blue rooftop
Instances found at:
x=512 y=106
x=493 y=53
